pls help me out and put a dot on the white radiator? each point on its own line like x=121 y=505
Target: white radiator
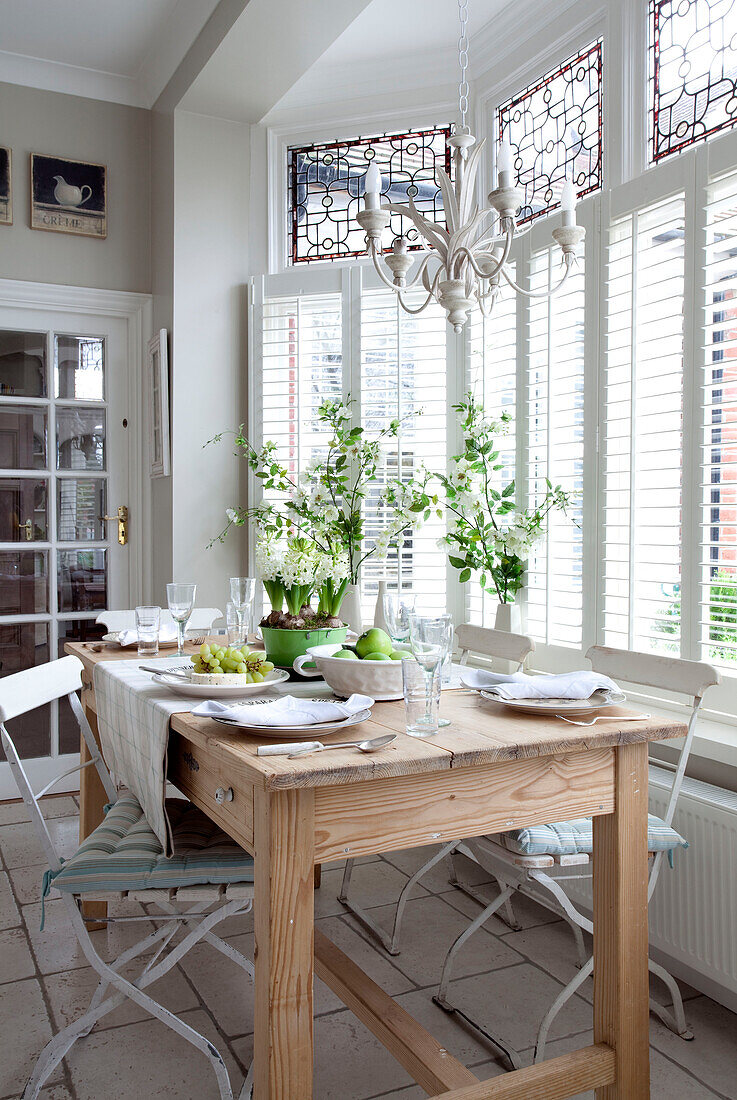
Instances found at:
x=693 y=913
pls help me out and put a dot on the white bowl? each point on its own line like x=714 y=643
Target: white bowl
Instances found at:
x=382 y=680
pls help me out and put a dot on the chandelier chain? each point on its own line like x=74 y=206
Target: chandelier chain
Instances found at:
x=463 y=89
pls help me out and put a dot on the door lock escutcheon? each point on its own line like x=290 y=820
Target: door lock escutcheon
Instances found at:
x=122 y=521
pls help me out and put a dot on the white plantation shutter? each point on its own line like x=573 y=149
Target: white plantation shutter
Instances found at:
x=301 y=365
x=493 y=379
x=717 y=617
x=403 y=371
x=555 y=447
x=642 y=442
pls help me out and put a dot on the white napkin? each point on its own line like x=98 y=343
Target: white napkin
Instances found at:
x=480 y=680
x=287 y=711
x=566 y=685
x=130 y=637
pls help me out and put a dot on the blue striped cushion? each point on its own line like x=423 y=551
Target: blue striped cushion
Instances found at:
x=123 y=853
x=567 y=838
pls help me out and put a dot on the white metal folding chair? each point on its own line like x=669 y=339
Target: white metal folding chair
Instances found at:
x=194 y=908
x=498 y=645
x=201 y=618
x=543 y=876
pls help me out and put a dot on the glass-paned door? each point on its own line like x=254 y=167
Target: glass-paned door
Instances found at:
x=63 y=469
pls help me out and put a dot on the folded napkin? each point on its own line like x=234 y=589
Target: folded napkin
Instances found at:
x=287 y=711
x=566 y=685
x=167 y=633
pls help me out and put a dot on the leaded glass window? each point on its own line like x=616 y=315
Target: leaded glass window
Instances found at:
x=554 y=128
x=326 y=188
x=693 y=71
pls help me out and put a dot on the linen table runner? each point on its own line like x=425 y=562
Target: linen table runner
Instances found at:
x=133 y=715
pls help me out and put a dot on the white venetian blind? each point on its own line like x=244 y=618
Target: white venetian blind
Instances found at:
x=493 y=379
x=301 y=366
x=403 y=371
x=718 y=565
x=555 y=408
x=642 y=443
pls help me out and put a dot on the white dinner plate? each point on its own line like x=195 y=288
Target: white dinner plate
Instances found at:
x=112 y=639
x=598 y=701
x=179 y=686
x=292 y=732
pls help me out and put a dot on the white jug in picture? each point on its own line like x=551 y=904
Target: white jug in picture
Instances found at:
x=66 y=194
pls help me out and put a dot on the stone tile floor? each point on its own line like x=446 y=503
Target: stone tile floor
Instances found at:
x=504 y=978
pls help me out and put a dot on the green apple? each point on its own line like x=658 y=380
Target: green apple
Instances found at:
x=374 y=640
x=398 y=654
x=377 y=657
x=347 y=654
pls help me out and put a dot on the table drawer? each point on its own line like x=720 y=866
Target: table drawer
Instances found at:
x=209 y=786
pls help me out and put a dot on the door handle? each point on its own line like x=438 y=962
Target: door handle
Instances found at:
x=27 y=529
x=122 y=521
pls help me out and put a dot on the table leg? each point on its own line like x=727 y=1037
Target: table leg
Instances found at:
x=284 y=823
x=621 y=1014
x=92 y=800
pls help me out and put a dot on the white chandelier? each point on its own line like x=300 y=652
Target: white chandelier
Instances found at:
x=471 y=251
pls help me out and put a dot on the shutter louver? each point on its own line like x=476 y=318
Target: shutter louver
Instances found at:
x=403 y=371
x=493 y=379
x=718 y=590
x=642 y=459
x=555 y=407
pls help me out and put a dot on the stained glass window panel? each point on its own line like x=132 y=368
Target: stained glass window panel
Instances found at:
x=693 y=71
x=326 y=187
x=554 y=128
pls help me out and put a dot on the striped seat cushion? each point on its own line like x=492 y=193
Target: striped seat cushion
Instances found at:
x=567 y=838
x=124 y=854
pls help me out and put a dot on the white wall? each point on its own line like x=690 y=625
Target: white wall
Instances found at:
x=35 y=121
x=211 y=184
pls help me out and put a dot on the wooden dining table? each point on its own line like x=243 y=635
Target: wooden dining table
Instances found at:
x=491 y=770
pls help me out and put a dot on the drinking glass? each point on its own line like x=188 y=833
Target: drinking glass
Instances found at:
x=232 y=625
x=428 y=642
x=421 y=697
x=243 y=593
x=446 y=663
x=398 y=606
x=181 y=601
x=148 y=620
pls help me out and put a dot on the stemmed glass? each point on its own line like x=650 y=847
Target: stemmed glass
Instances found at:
x=398 y=606
x=242 y=595
x=180 y=598
x=428 y=641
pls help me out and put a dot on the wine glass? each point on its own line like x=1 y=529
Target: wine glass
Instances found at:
x=428 y=642
x=242 y=595
x=398 y=606
x=180 y=598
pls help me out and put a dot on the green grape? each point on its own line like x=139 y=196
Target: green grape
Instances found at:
x=241 y=669
x=257 y=677
x=267 y=666
x=249 y=678
x=205 y=649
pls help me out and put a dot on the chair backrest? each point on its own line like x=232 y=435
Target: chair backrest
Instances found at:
x=493 y=643
x=689 y=678
x=201 y=618
x=24 y=691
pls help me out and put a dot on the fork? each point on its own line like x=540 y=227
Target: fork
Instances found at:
x=605 y=718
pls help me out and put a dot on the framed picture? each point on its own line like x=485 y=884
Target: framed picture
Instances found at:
x=68 y=196
x=158 y=418
x=6 y=187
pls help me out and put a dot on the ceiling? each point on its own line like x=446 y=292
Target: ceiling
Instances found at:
x=127 y=50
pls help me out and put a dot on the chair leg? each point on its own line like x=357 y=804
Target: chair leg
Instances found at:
x=675 y=1021
x=389 y=942
x=579 y=940
x=564 y=995
x=508 y=1053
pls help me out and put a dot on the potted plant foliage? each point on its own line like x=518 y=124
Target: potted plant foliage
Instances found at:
x=311 y=543
x=488 y=536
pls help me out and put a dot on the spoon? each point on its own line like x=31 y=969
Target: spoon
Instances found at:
x=372 y=745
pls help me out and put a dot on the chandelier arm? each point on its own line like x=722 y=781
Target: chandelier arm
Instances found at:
x=426 y=303
x=540 y=293
x=462 y=249
x=485 y=305
x=418 y=275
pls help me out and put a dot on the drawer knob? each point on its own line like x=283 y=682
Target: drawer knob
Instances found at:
x=223 y=794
